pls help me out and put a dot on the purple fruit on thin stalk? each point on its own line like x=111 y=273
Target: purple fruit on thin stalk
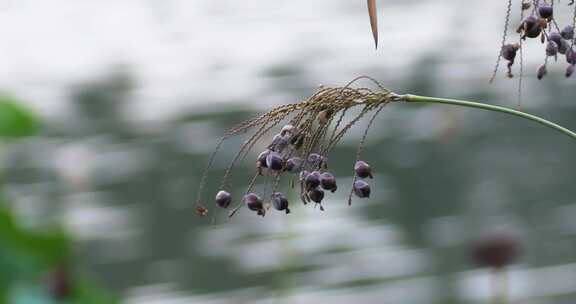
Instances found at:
x=551 y=48
x=556 y=37
x=316 y=160
x=312 y=180
x=362 y=169
x=274 y=161
x=280 y=202
x=361 y=189
x=316 y=195
x=279 y=143
x=545 y=10
x=563 y=47
x=571 y=56
x=287 y=130
x=569 y=71
x=328 y=182
x=223 y=199
x=261 y=160
x=567 y=32
x=293 y=164
x=529 y=23
x=542 y=70
x=508 y=51
x=254 y=203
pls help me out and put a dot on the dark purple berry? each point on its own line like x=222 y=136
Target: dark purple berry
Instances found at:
x=261 y=160
x=495 y=251
x=567 y=32
x=316 y=195
x=563 y=47
x=541 y=71
x=569 y=71
x=287 y=130
x=533 y=32
x=312 y=180
x=316 y=160
x=279 y=143
x=556 y=37
x=571 y=56
x=328 y=181
x=361 y=189
x=551 y=48
x=293 y=164
x=509 y=51
x=530 y=22
x=280 y=202
x=223 y=199
x=362 y=169
x=545 y=10
x=274 y=161
x=254 y=203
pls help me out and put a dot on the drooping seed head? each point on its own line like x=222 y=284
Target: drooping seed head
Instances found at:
x=567 y=32
x=362 y=169
x=495 y=251
x=545 y=10
x=287 y=130
x=312 y=180
x=316 y=195
x=361 y=189
x=328 y=181
x=280 y=202
x=569 y=71
x=254 y=203
x=261 y=160
x=274 y=161
x=223 y=199
x=551 y=48
x=293 y=164
x=542 y=70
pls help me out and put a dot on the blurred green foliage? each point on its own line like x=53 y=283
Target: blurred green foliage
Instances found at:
x=29 y=258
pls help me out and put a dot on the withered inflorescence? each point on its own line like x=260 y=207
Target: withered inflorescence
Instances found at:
x=539 y=19
x=307 y=132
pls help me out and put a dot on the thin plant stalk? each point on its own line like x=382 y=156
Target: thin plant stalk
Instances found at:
x=499 y=279
x=489 y=107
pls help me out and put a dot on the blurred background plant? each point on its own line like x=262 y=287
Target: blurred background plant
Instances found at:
x=36 y=262
x=134 y=94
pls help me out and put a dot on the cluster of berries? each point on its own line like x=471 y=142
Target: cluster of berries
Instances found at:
x=309 y=130
x=311 y=170
x=541 y=23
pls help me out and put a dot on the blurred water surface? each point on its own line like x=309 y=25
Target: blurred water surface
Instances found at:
x=136 y=94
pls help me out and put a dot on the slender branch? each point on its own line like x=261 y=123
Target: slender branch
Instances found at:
x=471 y=104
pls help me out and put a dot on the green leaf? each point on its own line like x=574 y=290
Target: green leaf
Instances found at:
x=15 y=119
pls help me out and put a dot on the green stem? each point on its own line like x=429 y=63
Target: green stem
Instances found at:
x=471 y=104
